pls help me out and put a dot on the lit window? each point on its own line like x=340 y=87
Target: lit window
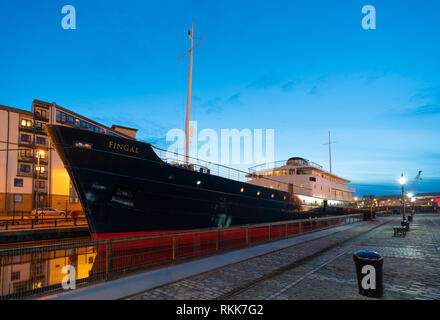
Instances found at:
x=18 y=182
x=258 y=193
x=199 y=182
x=301 y=185
x=272 y=196
x=242 y=189
x=285 y=197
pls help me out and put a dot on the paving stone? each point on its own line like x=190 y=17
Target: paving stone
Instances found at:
x=325 y=267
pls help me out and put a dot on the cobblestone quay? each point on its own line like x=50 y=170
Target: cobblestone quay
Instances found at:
x=324 y=268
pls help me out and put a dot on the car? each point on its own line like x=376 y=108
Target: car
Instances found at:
x=48 y=211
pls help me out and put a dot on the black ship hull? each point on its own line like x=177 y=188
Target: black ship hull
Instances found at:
x=127 y=190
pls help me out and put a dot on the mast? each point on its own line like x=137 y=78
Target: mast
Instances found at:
x=188 y=101
x=330 y=151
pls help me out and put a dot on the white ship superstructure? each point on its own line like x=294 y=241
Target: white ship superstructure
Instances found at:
x=304 y=179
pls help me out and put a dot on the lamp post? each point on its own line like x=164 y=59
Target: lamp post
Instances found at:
x=40 y=154
x=402 y=181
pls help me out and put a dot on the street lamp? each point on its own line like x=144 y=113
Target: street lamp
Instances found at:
x=402 y=181
x=40 y=154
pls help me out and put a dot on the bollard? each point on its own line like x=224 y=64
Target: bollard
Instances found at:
x=369 y=272
x=247 y=235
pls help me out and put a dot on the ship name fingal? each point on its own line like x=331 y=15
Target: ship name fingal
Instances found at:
x=123 y=147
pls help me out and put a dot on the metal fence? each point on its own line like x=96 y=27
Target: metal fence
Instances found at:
x=25 y=223
x=30 y=271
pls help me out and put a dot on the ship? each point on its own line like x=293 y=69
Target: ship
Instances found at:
x=130 y=188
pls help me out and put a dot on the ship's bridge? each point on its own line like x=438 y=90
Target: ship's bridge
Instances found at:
x=294 y=161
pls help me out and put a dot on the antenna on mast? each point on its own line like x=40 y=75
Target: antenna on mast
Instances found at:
x=330 y=150
x=188 y=103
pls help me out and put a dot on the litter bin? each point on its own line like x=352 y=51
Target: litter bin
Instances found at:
x=369 y=271
x=366 y=216
x=410 y=218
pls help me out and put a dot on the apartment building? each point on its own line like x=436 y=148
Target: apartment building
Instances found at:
x=31 y=172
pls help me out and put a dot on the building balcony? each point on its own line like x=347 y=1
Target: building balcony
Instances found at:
x=26 y=129
x=40 y=130
x=40 y=117
x=24 y=174
x=40 y=189
x=25 y=158
x=41 y=175
x=42 y=145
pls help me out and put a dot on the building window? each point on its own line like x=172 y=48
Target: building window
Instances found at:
x=18 y=198
x=63 y=117
x=41 y=140
x=40 y=184
x=25 y=168
x=41 y=113
x=39 y=125
x=15 y=275
x=312 y=179
x=291 y=171
x=26 y=123
x=25 y=138
x=18 y=182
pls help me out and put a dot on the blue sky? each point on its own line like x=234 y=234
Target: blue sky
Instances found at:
x=299 y=67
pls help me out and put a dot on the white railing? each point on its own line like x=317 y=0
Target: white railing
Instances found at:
x=207 y=167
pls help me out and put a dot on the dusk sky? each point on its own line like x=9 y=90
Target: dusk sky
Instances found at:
x=302 y=68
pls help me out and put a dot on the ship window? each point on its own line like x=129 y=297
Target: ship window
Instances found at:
x=312 y=179
x=124 y=196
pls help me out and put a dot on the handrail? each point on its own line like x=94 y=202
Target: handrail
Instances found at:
x=171 y=158
x=177 y=234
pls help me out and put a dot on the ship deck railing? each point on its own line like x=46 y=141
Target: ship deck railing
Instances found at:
x=278 y=164
x=204 y=166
